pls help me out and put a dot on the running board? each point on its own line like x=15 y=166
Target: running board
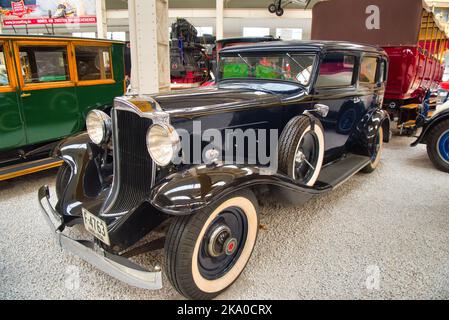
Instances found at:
x=25 y=168
x=337 y=173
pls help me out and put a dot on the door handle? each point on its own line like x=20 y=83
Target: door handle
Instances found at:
x=25 y=95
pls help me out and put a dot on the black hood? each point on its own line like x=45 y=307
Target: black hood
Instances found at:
x=212 y=98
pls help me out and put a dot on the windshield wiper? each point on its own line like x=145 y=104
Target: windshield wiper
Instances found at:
x=244 y=60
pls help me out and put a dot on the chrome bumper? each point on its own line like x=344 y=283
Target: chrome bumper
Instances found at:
x=116 y=266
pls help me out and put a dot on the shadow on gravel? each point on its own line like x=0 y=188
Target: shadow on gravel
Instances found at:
x=21 y=184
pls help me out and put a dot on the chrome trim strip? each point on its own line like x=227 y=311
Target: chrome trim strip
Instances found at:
x=116 y=266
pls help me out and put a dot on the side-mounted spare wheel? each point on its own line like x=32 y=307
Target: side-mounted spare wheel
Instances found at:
x=207 y=251
x=301 y=149
x=438 y=145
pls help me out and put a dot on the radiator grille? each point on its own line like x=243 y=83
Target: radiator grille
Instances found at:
x=133 y=166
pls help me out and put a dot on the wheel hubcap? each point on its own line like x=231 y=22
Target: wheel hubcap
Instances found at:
x=223 y=243
x=218 y=240
x=306 y=157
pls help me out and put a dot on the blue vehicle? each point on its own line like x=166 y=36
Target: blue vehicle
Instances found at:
x=435 y=134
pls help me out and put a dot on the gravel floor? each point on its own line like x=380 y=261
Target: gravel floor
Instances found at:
x=391 y=226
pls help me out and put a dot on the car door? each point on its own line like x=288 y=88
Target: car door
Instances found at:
x=336 y=87
x=47 y=90
x=12 y=132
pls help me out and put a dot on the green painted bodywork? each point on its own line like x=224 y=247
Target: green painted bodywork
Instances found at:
x=47 y=115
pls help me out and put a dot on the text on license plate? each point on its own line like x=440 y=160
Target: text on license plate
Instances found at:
x=96 y=226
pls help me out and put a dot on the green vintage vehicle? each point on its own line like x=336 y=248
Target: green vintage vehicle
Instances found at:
x=47 y=87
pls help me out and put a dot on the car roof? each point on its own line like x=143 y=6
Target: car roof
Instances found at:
x=52 y=37
x=248 y=39
x=315 y=46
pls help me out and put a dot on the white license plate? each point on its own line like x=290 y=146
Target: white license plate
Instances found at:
x=96 y=226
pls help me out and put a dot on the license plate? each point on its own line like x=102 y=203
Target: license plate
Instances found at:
x=96 y=226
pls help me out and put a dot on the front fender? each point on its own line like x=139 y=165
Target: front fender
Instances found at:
x=441 y=115
x=77 y=152
x=186 y=192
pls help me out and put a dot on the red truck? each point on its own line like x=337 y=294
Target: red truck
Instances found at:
x=408 y=31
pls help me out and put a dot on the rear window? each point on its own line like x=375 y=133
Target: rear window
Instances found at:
x=336 y=70
x=383 y=72
x=368 y=68
x=93 y=63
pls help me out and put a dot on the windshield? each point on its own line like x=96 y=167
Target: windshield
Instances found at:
x=282 y=66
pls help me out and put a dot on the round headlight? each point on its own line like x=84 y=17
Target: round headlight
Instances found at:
x=162 y=143
x=98 y=126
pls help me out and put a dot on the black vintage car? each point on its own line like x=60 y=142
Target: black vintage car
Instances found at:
x=135 y=172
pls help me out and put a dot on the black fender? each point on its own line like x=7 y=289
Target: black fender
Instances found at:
x=186 y=192
x=364 y=135
x=430 y=124
x=78 y=152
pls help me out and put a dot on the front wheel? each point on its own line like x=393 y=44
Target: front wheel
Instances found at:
x=438 y=146
x=206 y=252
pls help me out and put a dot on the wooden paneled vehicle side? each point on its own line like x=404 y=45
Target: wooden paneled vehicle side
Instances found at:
x=47 y=87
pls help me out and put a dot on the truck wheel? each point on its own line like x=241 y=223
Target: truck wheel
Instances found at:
x=438 y=146
x=301 y=150
x=376 y=153
x=206 y=252
x=62 y=179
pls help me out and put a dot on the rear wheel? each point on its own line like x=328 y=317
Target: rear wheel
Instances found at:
x=376 y=152
x=438 y=146
x=62 y=179
x=206 y=252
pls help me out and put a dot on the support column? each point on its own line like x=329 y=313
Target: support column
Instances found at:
x=219 y=19
x=102 y=21
x=150 y=60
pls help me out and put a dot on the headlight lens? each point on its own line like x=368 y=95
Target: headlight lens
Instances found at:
x=98 y=126
x=162 y=142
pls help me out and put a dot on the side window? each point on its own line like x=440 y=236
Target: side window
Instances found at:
x=93 y=63
x=44 y=64
x=368 y=68
x=336 y=70
x=4 y=79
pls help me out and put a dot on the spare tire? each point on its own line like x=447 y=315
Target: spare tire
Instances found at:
x=301 y=149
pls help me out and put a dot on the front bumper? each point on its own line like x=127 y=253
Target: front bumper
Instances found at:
x=116 y=266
